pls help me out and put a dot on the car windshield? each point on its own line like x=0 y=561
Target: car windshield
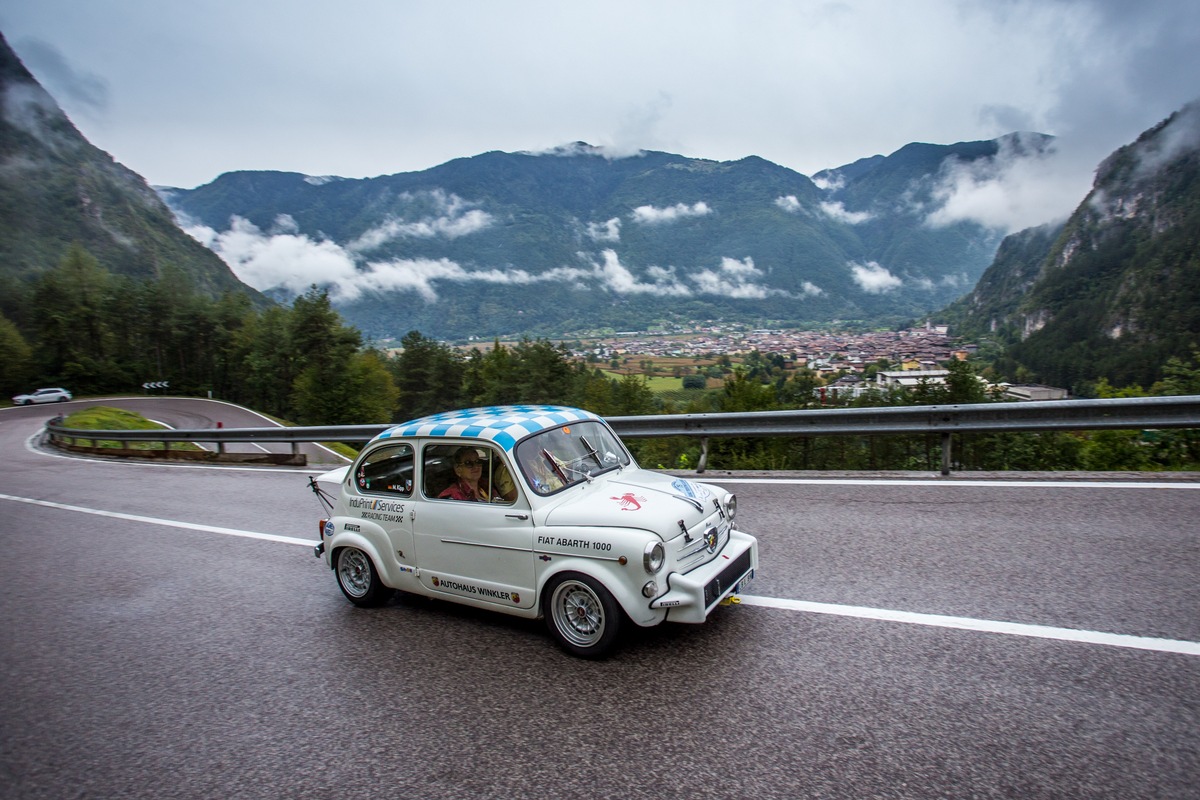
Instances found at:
x=563 y=456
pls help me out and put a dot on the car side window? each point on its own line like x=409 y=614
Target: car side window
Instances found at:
x=473 y=472
x=386 y=469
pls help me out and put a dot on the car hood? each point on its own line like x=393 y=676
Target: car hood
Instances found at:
x=636 y=498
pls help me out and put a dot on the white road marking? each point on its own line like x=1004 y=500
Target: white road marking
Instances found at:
x=171 y=427
x=954 y=482
x=860 y=612
x=192 y=526
x=982 y=625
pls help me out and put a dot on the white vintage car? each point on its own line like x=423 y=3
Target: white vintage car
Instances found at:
x=536 y=511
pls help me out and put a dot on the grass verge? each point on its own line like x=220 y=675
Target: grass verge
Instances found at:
x=106 y=418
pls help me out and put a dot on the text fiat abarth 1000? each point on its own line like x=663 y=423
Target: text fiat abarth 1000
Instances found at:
x=532 y=511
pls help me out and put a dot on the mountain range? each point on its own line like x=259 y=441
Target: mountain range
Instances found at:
x=573 y=238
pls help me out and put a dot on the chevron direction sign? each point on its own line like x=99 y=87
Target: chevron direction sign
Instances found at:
x=156 y=384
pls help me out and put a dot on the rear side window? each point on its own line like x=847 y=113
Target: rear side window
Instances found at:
x=387 y=469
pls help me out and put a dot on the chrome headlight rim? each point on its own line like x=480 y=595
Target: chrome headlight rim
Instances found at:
x=654 y=557
x=731 y=506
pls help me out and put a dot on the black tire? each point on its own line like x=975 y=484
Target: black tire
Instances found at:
x=583 y=617
x=359 y=579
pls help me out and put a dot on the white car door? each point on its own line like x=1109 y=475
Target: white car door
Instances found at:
x=474 y=549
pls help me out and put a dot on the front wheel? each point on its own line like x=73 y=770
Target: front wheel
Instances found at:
x=359 y=579
x=581 y=614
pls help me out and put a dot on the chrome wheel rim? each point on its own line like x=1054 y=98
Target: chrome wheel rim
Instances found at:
x=354 y=571
x=578 y=614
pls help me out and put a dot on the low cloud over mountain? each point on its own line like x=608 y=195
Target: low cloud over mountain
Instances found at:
x=581 y=235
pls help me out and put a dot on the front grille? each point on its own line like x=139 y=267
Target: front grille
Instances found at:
x=727 y=579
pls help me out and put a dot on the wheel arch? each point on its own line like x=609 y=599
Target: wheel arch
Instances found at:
x=618 y=580
x=344 y=539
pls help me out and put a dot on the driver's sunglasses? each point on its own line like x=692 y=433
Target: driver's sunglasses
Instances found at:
x=471 y=463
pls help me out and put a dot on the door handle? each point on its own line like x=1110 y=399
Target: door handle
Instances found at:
x=517 y=516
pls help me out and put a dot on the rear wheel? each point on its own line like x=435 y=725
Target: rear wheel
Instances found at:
x=583 y=617
x=359 y=579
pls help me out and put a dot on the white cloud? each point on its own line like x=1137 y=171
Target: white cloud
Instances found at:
x=838 y=211
x=873 y=278
x=733 y=279
x=617 y=277
x=638 y=130
x=285 y=223
x=286 y=260
x=651 y=215
x=449 y=217
x=830 y=182
x=82 y=90
x=1020 y=187
x=1181 y=135
x=419 y=275
x=789 y=204
x=609 y=231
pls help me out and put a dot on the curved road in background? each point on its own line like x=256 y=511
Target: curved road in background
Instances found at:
x=168 y=633
x=194 y=413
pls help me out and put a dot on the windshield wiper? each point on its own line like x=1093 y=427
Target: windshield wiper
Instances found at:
x=556 y=466
x=591 y=451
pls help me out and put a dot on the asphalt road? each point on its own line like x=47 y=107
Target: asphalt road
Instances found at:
x=168 y=633
x=193 y=413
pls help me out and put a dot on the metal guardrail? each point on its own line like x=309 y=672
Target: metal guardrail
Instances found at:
x=1048 y=415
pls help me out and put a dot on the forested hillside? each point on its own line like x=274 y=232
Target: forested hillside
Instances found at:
x=1115 y=292
x=56 y=189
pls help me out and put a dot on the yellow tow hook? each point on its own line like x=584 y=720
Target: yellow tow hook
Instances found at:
x=733 y=599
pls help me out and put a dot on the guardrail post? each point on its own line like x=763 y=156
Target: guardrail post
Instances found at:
x=946 y=453
x=703 y=462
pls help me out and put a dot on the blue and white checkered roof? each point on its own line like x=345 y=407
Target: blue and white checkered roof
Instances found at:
x=503 y=425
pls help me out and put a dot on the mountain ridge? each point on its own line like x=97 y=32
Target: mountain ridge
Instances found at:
x=606 y=239
x=1114 y=291
x=56 y=188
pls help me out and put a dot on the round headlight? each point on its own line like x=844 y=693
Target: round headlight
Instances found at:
x=731 y=506
x=650 y=589
x=653 y=557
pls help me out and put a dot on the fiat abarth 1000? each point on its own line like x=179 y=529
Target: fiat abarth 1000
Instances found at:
x=536 y=511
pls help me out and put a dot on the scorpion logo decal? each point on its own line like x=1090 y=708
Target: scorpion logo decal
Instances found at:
x=629 y=501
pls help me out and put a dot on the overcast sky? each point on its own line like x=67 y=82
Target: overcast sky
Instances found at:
x=183 y=91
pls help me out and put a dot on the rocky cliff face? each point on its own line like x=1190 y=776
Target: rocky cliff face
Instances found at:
x=1116 y=290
